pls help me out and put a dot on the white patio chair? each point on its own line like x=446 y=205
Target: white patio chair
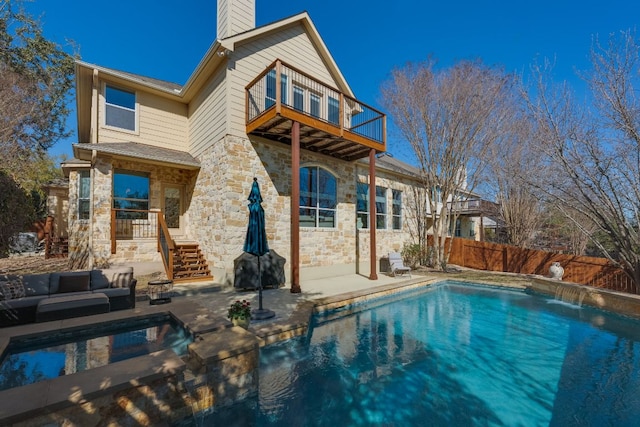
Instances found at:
x=397 y=265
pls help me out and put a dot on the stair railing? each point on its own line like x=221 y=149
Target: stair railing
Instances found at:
x=166 y=246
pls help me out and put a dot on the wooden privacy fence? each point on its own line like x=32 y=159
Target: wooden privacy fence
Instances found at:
x=591 y=271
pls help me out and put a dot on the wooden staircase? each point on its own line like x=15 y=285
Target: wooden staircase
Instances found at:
x=189 y=264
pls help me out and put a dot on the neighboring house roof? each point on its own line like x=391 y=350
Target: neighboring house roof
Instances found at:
x=57 y=183
x=138 y=151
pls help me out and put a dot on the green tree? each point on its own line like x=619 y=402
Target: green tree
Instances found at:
x=36 y=77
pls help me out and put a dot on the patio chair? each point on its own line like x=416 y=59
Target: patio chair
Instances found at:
x=397 y=265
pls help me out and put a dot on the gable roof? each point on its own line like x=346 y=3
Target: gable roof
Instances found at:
x=214 y=57
x=304 y=19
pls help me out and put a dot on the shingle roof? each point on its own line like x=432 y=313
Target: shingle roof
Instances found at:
x=385 y=161
x=142 y=151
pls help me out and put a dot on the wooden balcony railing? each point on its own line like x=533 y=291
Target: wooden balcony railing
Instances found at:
x=332 y=122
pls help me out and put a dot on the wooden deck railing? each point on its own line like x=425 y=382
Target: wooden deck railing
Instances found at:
x=283 y=86
x=129 y=224
x=166 y=247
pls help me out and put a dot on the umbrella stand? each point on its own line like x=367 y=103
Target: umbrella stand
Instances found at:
x=261 y=313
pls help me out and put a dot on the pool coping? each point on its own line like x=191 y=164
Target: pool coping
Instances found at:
x=51 y=395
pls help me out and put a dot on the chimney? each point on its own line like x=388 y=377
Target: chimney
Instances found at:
x=235 y=16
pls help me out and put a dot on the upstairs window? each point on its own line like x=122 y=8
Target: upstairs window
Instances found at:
x=270 y=95
x=120 y=108
x=84 y=191
x=318 y=198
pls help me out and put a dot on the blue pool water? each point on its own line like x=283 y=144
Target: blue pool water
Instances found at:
x=42 y=357
x=455 y=355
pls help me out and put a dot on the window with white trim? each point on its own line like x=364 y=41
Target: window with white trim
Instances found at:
x=84 y=194
x=396 y=209
x=270 y=95
x=318 y=197
x=362 y=206
x=120 y=108
x=131 y=194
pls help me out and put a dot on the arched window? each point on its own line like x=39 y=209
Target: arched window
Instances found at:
x=318 y=197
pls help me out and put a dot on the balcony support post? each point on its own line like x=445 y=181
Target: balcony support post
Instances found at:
x=373 y=275
x=295 y=208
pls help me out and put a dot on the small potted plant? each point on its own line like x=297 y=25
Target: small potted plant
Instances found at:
x=240 y=313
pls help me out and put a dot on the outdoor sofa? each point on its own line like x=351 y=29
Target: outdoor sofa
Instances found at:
x=52 y=296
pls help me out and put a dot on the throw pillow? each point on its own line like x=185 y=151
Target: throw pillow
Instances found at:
x=12 y=289
x=73 y=283
x=121 y=279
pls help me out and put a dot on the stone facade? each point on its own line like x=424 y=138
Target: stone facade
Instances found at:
x=216 y=211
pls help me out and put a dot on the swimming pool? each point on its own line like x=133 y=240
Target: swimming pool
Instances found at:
x=37 y=358
x=455 y=355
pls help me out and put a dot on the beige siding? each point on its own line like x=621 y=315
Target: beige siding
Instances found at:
x=161 y=122
x=292 y=45
x=235 y=16
x=208 y=114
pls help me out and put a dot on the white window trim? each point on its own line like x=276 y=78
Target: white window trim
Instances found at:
x=317 y=208
x=104 y=124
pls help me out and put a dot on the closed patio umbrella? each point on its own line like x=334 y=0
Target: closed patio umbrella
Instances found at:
x=255 y=242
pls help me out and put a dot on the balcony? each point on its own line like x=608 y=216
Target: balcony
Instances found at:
x=472 y=207
x=331 y=122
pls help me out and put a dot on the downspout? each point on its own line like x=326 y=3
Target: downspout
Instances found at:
x=94 y=155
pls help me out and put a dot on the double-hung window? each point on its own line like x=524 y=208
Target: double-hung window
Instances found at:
x=396 y=209
x=84 y=192
x=270 y=95
x=318 y=198
x=120 y=108
x=130 y=195
x=362 y=206
x=381 y=208
x=307 y=101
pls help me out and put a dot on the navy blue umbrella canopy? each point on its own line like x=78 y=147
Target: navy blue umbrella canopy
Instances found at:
x=256 y=241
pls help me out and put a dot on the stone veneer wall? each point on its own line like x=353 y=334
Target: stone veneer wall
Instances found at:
x=387 y=240
x=219 y=208
x=136 y=250
x=79 y=251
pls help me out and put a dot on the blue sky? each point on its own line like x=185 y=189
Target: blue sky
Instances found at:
x=166 y=39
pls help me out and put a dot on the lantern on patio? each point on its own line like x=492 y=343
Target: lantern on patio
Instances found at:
x=160 y=291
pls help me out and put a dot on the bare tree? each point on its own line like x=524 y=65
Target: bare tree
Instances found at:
x=510 y=162
x=449 y=118
x=595 y=156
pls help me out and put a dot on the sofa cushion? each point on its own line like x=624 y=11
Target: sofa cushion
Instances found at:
x=22 y=302
x=11 y=289
x=34 y=284
x=115 y=292
x=73 y=282
x=119 y=277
